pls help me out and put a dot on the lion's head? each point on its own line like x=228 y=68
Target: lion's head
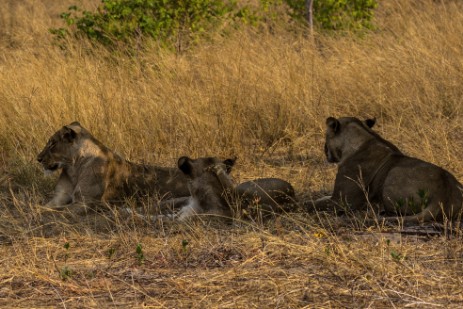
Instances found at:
x=345 y=135
x=58 y=152
x=205 y=183
x=195 y=168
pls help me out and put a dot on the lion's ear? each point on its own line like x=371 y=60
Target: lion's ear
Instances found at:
x=184 y=164
x=69 y=133
x=333 y=124
x=229 y=163
x=370 y=122
x=75 y=126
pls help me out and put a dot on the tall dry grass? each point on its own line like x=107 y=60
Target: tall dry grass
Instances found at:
x=262 y=97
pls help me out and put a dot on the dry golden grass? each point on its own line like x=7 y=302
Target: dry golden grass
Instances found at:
x=261 y=97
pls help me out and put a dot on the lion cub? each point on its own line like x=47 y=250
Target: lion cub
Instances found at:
x=91 y=172
x=214 y=192
x=373 y=170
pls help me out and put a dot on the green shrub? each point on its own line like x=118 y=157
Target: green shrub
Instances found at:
x=180 y=22
x=128 y=20
x=336 y=14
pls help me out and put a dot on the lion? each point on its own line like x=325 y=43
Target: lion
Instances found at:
x=214 y=192
x=371 y=170
x=92 y=173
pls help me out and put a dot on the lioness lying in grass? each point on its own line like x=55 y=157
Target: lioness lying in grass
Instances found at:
x=373 y=170
x=214 y=192
x=92 y=173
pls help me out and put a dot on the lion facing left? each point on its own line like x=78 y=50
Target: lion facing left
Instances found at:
x=92 y=173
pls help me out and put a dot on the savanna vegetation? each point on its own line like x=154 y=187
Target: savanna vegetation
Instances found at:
x=260 y=92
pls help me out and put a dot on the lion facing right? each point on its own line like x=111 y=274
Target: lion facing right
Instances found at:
x=371 y=169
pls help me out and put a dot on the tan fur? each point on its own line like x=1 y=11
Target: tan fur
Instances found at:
x=373 y=170
x=204 y=186
x=92 y=173
x=214 y=192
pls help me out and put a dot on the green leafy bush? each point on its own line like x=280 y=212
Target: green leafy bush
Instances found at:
x=128 y=20
x=337 y=14
x=180 y=22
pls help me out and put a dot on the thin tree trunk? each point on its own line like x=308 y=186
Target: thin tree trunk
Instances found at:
x=309 y=14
